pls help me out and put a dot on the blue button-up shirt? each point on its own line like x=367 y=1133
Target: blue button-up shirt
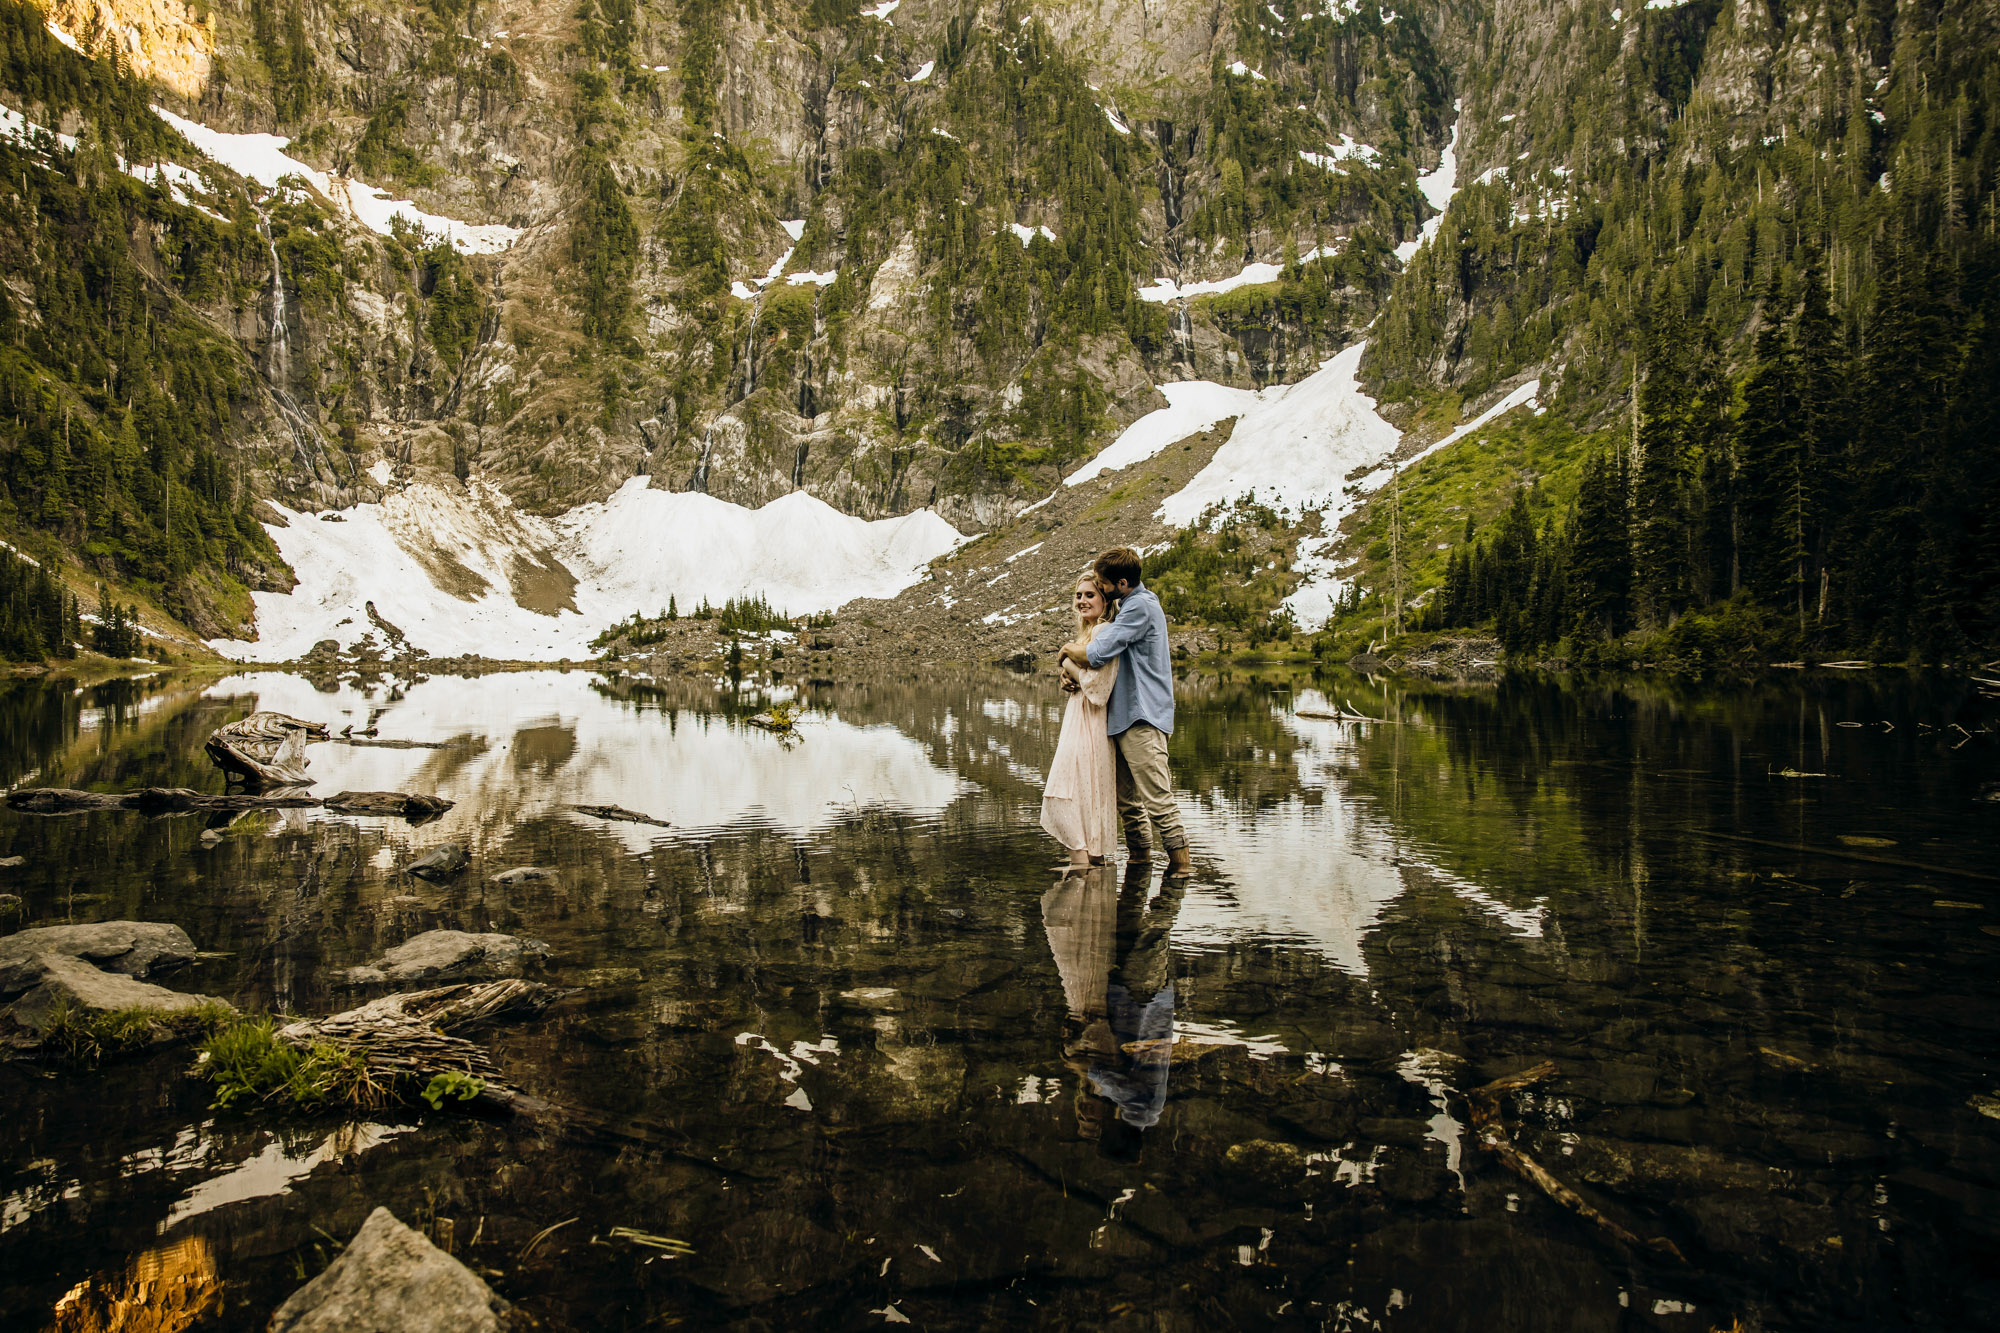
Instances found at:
x=1144 y=690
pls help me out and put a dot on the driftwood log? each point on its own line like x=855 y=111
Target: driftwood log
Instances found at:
x=621 y=813
x=182 y=800
x=411 y=1037
x=387 y=803
x=1490 y=1131
x=265 y=750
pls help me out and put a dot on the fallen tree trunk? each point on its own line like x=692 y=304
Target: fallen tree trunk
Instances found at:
x=368 y=743
x=265 y=749
x=151 y=800
x=621 y=813
x=181 y=800
x=409 y=1039
x=387 y=803
x=1490 y=1131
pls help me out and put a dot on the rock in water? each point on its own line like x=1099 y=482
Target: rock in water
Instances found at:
x=452 y=955
x=390 y=1277
x=523 y=875
x=135 y=948
x=66 y=981
x=442 y=863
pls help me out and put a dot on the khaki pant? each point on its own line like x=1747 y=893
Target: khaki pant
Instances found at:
x=1146 y=789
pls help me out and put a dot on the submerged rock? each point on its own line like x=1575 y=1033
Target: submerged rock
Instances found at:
x=392 y=1277
x=453 y=955
x=441 y=863
x=135 y=948
x=68 y=983
x=523 y=875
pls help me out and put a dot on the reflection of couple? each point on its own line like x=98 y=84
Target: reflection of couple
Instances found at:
x=1112 y=754
x=1111 y=949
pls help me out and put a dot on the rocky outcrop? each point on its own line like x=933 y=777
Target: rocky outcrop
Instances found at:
x=452 y=955
x=390 y=1277
x=68 y=985
x=131 y=948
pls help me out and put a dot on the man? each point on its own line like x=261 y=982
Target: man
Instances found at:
x=1141 y=716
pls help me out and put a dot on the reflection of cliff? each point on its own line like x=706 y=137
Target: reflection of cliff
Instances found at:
x=164 y=1290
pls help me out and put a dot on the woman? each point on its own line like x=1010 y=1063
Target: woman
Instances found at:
x=1080 y=800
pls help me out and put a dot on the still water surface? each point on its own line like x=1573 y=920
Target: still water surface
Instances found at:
x=844 y=1030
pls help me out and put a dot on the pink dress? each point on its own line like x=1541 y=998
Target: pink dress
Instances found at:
x=1080 y=800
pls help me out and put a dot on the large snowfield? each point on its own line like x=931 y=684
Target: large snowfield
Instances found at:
x=459 y=570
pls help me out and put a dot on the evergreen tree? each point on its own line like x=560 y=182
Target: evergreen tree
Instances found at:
x=1600 y=550
x=1771 y=459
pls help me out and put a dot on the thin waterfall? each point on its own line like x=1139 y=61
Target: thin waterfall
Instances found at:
x=278 y=357
x=699 y=481
x=307 y=442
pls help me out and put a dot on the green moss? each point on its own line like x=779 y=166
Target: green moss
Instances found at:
x=85 y=1036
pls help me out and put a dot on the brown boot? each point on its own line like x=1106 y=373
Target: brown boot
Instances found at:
x=1180 y=862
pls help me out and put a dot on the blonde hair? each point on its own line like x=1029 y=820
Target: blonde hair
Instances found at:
x=1105 y=595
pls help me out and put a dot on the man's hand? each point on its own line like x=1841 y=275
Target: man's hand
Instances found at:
x=1075 y=652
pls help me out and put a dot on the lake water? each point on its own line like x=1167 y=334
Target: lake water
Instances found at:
x=844 y=1031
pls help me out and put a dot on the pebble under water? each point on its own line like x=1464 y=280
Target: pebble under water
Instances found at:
x=843 y=1030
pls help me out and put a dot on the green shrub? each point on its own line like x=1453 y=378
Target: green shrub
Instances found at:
x=248 y=1062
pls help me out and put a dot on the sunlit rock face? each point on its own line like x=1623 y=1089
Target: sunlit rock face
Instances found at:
x=162 y=41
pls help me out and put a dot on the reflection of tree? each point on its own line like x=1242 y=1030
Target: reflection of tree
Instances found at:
x=1111 y=949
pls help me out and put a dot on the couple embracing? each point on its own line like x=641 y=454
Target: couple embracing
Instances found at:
x=1111 y=758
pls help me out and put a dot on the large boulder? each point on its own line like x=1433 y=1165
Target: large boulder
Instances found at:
x=135 y=948
x=69 y=984
x=390 y=1277
x=452 y=955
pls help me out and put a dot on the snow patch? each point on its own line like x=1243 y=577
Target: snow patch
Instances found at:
x=929 y=67
x=1347 y=150
x=262 y=158
x=1027 y=234
x=1192 y=406
x=1166 y=289
x=883 y=10
x=794 y=227
x=1239 y=69
x=1116 y=123
x=1437 y=188
x=629 y=553
x=1522 y=395
x=1295 y=447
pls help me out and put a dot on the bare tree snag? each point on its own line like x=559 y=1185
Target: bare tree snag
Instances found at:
x=265 y=750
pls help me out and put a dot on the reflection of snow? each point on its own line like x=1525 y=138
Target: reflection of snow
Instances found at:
x=1426 y=1069
x=273 y=1170
x=1318 y=868
x=699 y=772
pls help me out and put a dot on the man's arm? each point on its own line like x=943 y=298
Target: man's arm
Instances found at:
x=1114 y=639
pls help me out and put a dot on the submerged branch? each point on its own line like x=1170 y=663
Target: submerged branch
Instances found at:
x=1491 y=1132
